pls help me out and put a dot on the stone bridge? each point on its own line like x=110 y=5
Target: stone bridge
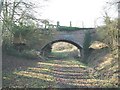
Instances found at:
x=75 y=37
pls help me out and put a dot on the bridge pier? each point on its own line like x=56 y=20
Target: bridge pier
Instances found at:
x=82 y=53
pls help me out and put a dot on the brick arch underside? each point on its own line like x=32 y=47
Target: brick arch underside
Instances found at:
x=62 y=40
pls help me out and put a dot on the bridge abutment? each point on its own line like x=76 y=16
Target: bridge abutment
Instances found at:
x=47 y=50
x=82 y=53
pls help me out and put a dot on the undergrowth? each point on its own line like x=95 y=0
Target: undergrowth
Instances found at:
x=26 y=53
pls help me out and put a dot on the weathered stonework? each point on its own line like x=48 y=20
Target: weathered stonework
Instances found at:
x=75 y=37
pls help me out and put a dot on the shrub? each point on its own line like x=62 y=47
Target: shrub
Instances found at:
x=30 y=54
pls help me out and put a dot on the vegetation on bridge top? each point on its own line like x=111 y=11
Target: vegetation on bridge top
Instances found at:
x=66 y=28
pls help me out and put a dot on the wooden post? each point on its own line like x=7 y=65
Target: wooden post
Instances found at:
x=70 y=24
x=58 y=23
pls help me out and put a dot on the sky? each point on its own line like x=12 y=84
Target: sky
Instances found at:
x=87 y=13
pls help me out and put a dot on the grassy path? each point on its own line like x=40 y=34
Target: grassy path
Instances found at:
x=64 y=73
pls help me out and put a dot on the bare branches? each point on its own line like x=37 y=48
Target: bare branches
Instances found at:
x=1 y=5
x=112 y=4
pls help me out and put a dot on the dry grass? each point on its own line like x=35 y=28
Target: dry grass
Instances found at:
x=63 y=73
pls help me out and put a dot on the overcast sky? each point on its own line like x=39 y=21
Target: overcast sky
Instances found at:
x=80 y=12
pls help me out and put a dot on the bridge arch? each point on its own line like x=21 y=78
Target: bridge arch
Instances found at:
x=47 y=48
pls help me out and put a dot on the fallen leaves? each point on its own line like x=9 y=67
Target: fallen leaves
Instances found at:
x=57 y=73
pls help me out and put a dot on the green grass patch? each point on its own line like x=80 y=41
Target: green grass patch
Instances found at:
x=60 y=54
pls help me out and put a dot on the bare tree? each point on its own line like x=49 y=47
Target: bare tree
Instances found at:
x=18 y=20
x=1 y=5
